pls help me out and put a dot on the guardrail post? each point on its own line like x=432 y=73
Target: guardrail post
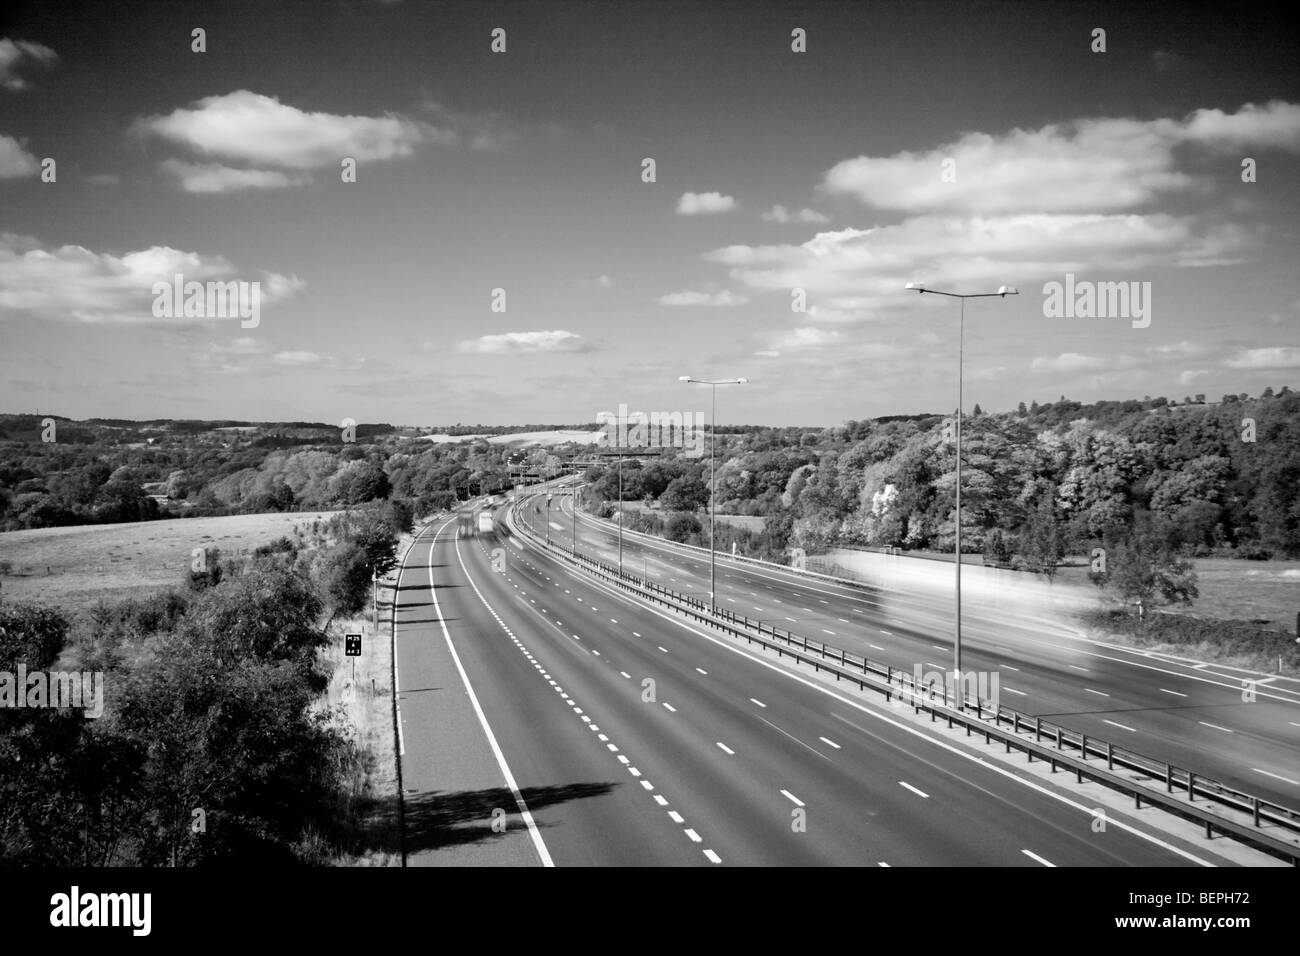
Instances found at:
x=1254 y=807
x=1110 y=755
x=1191 y=786
x=1169 y=778
x=1038 y=730
x=1060 y=732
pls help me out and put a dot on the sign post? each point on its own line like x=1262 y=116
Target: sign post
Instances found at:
x=352 y=649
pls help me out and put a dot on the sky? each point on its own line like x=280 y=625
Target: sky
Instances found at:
x=501 y=256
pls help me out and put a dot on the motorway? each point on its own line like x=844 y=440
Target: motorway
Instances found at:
x=1183 y=712
x=605 y=732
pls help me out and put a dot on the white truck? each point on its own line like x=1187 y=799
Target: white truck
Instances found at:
x=485 y=522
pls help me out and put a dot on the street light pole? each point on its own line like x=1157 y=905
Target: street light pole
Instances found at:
x=1003 y=292
x=713 y=464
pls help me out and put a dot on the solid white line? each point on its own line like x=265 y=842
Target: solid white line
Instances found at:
x=1276 y=775
x=1216 y=727
x=1120 y=726
x=919 y=793
x=831 y=742
x=792 y=798
x=1037 y=858
x=725 y=749
x=527 y=816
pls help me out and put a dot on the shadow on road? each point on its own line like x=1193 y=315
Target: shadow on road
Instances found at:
x=441 y=819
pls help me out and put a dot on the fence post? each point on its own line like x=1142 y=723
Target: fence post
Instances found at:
x=1110 y=755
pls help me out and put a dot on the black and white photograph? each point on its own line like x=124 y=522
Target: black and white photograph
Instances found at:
x=639 y=434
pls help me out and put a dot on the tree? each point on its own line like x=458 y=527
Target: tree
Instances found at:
x=684 y=494
x=1042 y=545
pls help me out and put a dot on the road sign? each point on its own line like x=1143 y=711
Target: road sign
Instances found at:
x=353 y=647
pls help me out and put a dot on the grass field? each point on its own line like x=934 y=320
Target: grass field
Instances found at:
x=75 y=567
x=1264 y=592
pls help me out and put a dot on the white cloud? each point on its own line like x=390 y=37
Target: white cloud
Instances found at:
x=711 y=299
x=1089 y=165
x=296 y=359
x=805 y=338
x=215 y=178
x=77 y=283
x=1282 y=356
x=693 y=204
x=18 y=53
x=851 y=275
x=1275 y=125
x=1072 y=362
x=249 y=127
x=781 y=215
x=555 y=340
x=14 y=160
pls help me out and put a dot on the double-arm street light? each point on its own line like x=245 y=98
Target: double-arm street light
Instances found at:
x=713 y=491
x=1003 y=292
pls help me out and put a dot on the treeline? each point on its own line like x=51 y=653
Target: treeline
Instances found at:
x=181 y=473
x=1151 y=478
x=209 y=749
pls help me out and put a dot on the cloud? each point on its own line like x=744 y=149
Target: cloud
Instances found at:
x=805 y=338
x=513 y=343
x=214 y=178
x=296 y=359
x=694 y=204
x=252 y=128
x=1273 y=126
x=15 y=161
x=1068 y=362
x=781 y=215
x=1282 y=356
x=853 y=275
x=1089 y=165
x=712 y=299
x=73 y=282
x=20 y=53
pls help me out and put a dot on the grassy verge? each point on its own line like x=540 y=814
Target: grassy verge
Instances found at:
x=1237 y=643
x=359 y=704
